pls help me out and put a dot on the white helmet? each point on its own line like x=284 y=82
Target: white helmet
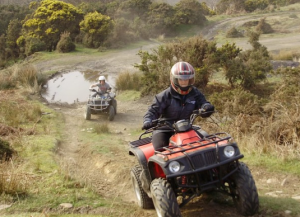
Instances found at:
x=101 y=78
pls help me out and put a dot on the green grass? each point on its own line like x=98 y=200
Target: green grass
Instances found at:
x=46 y=186
x=273 y=164
x=52 y=215
x=271 y=204
x=128 y=95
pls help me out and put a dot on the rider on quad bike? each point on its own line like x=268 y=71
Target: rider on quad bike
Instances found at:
x=177 y=102
x=180 y=161
x=101 y=101
x=103 y=87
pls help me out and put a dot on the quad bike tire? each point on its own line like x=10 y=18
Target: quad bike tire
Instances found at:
x=143 y=199
x=164 y=199
x=244 y=191
x=114 y=104
x=111 y=113
x=88 y=113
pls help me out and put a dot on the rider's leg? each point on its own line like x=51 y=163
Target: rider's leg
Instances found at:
x=160 y=139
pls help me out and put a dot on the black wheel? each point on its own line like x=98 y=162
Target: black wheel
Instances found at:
x=111 y=113
x=114 y=104
x=88 y=113
x=144 y=201
x=244 y=191
x=164 y=199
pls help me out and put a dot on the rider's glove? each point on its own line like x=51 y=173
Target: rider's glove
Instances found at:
x=208 y=107
x=208 y=110
x=147 y=124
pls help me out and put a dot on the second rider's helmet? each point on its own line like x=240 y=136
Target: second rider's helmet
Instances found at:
x=101 y=78
x=183 y=71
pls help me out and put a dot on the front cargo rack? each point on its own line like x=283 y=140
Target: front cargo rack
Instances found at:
x=208 y=140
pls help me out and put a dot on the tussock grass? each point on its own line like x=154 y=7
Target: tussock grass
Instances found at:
x=128 y=81
x=286 y=55
x=101 y=128
x=13 y=180
x=15 y=110
x=24 y=76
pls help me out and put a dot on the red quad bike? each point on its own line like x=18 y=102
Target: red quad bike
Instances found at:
x=193 y=163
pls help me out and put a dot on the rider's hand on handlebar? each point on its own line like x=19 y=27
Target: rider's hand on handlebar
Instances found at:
x=207 y=110
x=147 y=125
x=207 y=107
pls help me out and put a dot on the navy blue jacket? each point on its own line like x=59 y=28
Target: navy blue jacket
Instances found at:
x=170 y=104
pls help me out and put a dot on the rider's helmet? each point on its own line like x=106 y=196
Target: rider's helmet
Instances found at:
x=182 y=71
x=101 y=78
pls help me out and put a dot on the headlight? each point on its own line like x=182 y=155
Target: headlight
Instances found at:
x=229 y=151
x=174 y=167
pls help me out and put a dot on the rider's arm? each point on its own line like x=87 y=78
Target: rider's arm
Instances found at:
x=108 y=88
x=93 y=85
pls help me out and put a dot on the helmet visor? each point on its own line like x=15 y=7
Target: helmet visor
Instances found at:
x=184 y=76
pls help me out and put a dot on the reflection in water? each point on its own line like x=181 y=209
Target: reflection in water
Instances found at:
x=71 y=87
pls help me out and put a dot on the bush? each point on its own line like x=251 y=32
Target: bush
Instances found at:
x=283 y=124
x=236 y=101
x=34 y=45
x=264 y=27
x=156 y=66
x=233 y=33
x=65 y=43
x=6 y=151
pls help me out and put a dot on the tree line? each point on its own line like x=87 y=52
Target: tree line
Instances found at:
x=50 y=25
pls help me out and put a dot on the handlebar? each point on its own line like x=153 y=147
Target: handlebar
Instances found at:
x=166 y=121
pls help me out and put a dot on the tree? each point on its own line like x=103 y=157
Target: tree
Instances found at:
x=230 y=6
x=135 y=8
x=12 y=34
x=96 y=27
x=50 y=19
x=161 y=18
x=2 y=50
x=190 y=12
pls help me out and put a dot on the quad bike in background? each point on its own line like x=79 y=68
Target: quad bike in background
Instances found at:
x=101 y=103
x=195 y=162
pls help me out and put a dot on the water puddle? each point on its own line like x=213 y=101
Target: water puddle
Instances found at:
x=72 y=87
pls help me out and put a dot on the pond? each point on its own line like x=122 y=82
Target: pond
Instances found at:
x=72 y=87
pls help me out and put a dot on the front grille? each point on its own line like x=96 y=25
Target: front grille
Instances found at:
x=198 y=161
x=204 y=159
x=210 y=157
x=100 y=102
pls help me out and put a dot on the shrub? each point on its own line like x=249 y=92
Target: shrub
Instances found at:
x=65 y=43
x=264 y=27
x=6 y=151
x=201 y=54
x=233 y=33
x=236 y=101
x=34 y=45
x=283 y=108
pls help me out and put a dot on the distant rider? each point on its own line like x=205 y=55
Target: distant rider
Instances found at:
x=176 y=102
x=103 y=87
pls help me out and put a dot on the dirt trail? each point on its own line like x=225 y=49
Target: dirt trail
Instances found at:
x=109 y=175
